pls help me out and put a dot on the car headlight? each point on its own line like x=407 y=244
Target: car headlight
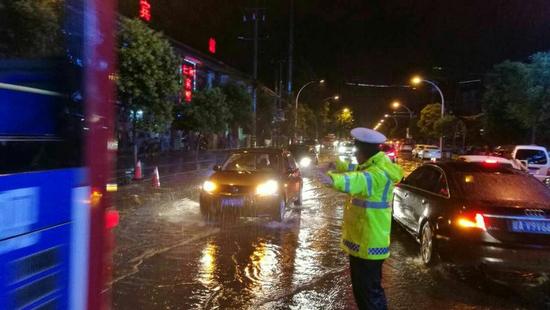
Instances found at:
x=305 y=162
x=268 y=188
x=209 y=186
x=341 y=149
x=354 y=149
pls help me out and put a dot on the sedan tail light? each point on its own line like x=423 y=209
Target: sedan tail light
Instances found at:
x=477 y=221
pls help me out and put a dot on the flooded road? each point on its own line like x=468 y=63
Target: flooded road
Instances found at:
x=168 y=257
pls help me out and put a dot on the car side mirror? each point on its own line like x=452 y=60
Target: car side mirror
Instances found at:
x=217 y=168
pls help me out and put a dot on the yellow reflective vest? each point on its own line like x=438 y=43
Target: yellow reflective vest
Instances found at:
x=367 y=213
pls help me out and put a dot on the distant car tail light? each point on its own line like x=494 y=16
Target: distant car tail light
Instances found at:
x=391 y=154
x=478 y=221
x=491 y=161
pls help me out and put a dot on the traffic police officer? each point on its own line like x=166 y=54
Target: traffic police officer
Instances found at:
x=367 y=215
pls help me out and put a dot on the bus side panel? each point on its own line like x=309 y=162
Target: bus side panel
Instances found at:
x=44 y=224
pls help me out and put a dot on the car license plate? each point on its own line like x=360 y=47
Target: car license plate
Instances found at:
x=532 y=227
x=232 y=202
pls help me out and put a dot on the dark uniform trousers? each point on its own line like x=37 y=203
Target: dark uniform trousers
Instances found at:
x=366 y=279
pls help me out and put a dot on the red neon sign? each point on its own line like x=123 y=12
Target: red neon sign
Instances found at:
x=145 y=10
x=188 y=72
x=212 y=45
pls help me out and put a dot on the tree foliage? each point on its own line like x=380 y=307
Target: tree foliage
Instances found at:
x=239 y=103
x=517 y=98
x=343 y=120
x=30 y=28
x=149 y=76
x=207 y=113
x=429 y=116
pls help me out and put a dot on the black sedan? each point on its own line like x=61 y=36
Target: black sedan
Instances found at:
x=476 y=214
x=253 y=182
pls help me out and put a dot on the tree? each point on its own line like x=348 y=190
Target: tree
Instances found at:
x=517 y=98
x=506 y=86
x=207 y=113
x=239 y=103
x=343 y=122
x=30 y=28
x=536 y=111
x=429 y=115
x=149 y=77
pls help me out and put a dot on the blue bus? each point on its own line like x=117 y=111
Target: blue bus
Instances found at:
x=56 y=152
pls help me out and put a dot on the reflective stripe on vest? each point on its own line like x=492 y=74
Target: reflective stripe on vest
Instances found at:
x=369 y=204
x=378 y=251
x=351 y=167
x=369 y=182
x=346 y=183
x=387 y=187
x=351 y=245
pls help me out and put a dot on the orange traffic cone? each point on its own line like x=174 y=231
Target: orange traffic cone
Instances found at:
x=156 y=180
x=137 y=171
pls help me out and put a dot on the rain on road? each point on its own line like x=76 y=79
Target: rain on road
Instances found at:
x=168 y=257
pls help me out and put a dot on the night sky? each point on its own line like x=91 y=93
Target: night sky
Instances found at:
x=369 y=41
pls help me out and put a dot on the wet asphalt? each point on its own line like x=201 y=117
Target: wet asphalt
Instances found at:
x=168 y=257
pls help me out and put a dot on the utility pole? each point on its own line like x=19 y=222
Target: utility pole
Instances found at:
x=290 y=50
x=255 y=14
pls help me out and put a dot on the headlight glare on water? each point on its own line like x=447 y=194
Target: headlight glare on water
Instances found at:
x=268 y=188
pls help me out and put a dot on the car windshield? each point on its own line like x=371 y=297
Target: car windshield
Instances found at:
x=249 y=162
x=502 y=185
x=537 y=157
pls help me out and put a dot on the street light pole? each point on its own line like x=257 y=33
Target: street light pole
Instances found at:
x=296 y=107
x=417 y=80
x=397 y=105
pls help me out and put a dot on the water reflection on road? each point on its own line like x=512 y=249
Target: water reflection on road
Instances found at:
x=168 y=257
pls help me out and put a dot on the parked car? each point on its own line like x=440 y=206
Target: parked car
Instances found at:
x=475 y=213
x=305 y=154
x=390 y=151
x=253 y=182
x=486 y=159
x=535 y=157
x=429 y=152
x=417 y=148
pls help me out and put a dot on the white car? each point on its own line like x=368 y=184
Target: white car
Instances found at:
x=417 y=148
x=429 y=152
x=513 y=163
x=535 y=157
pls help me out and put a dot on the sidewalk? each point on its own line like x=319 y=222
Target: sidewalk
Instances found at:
x=168 y=163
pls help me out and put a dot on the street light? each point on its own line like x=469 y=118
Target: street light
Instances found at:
x=396 y=105
x=386 y=115
x=416 y=81
x=298 y=97
x=345 y=110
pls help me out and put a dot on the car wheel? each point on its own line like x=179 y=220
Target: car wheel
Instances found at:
x=427 y=252
x=279 y=214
